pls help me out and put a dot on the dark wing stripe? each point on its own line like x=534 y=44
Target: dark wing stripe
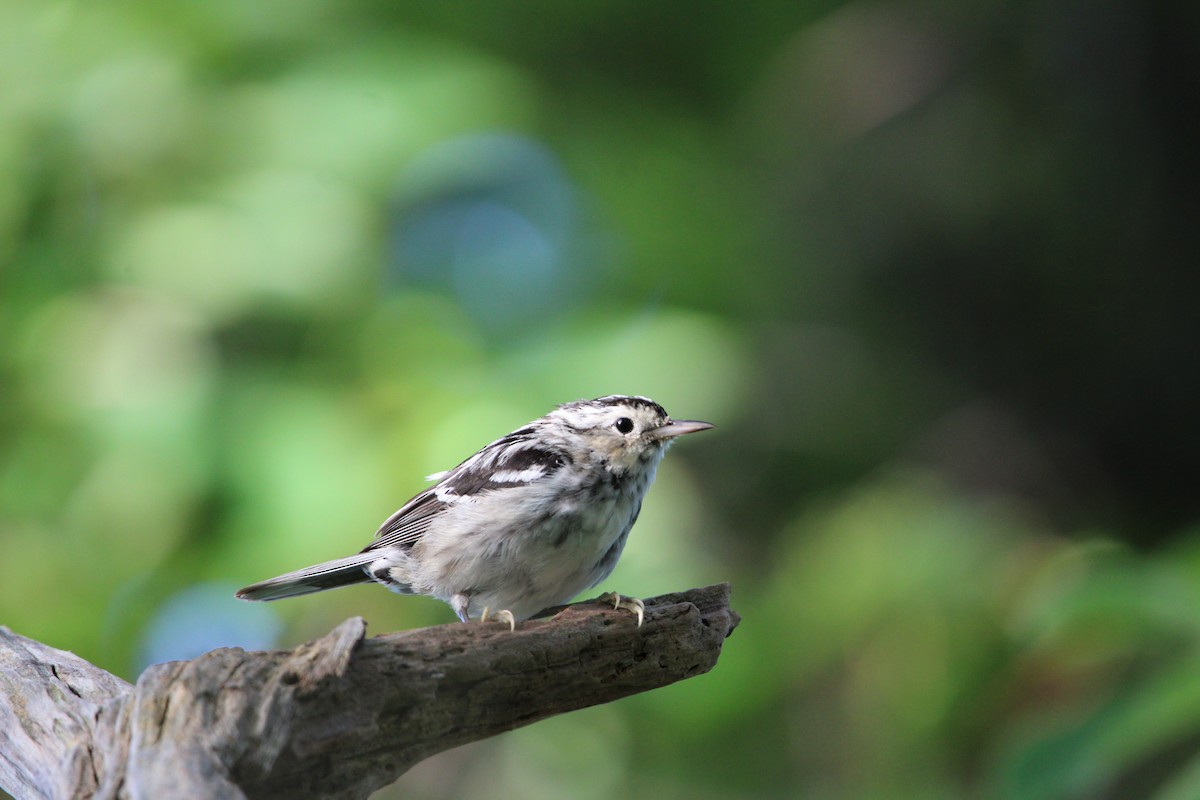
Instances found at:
x=521 y=435
x=407 y=525
x=498 y=471
x=527 y=457
x=507 y=462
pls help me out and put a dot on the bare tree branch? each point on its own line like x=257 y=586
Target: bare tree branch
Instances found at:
x=49 y=703
x=337 y=717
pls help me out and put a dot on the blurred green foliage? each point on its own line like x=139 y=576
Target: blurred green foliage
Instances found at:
x=928 y=266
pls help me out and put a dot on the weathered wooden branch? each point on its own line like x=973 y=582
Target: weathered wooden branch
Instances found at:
x=338 y=717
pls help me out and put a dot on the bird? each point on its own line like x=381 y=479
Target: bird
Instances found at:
x=525 y=524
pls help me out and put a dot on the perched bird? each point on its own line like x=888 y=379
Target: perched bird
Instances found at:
x=527 y=523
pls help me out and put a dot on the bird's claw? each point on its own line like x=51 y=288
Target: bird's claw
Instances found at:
x=628 y=603
x=503 y=615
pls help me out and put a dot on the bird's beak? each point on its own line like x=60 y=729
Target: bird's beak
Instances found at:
x=679 y=427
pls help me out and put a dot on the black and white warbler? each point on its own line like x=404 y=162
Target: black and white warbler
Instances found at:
x=527 y=523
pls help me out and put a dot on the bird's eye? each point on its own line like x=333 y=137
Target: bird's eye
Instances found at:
x=623 y=425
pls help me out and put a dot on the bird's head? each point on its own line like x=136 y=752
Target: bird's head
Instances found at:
x=625 y=431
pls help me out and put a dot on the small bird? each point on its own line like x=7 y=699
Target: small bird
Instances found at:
x=527 y=523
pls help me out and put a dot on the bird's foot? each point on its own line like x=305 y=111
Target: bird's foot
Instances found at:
x=503 y=615
x=628 y=603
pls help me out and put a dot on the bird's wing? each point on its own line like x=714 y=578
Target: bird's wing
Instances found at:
x=404 y=528
x=516 y=460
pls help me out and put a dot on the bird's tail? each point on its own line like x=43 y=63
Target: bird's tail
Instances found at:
x=318 y=578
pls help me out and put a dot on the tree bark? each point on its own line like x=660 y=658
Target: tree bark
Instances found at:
x=337 y=717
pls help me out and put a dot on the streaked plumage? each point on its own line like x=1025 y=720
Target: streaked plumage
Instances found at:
x=526 y=523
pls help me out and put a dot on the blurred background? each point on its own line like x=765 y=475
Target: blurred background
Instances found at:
x=931 y=268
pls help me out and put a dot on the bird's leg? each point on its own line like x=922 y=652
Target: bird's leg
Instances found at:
x=459 y=603
x=503 y=615
x=628 y=603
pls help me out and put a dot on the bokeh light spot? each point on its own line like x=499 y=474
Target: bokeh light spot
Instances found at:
x=203 y=617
